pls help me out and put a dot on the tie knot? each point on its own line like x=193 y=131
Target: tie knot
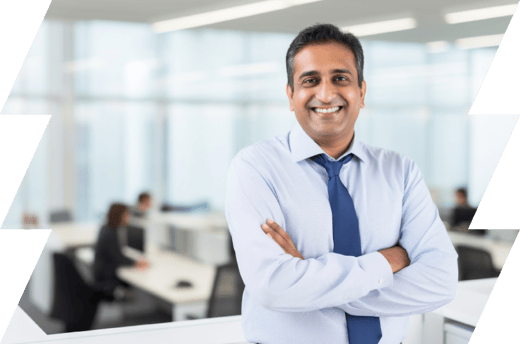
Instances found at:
x=332 y=167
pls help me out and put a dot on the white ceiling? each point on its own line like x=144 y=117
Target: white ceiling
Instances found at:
x=429 y=14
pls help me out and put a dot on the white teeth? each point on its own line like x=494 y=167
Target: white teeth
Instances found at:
x=334 y=109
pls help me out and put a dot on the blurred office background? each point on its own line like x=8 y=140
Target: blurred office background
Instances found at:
x=135 y=110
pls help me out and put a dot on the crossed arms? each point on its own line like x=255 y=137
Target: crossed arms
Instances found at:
x=382 y=283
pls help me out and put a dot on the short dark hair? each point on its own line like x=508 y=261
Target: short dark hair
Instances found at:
x=115 y=214
x=142 y=196
x=320 y=34
x=463 y=191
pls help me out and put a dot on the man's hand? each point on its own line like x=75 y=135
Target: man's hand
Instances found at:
x=397 y=257
x=275 y=232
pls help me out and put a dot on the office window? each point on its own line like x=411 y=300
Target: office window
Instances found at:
x=200 y=146
x=115 y=154
x=152 y=112
x=114 y=59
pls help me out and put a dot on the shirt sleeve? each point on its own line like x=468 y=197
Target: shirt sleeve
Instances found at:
x=430 y=281
x=276 y=280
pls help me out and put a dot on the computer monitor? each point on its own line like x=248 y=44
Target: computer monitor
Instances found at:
x=463 y=215
x=135 y=237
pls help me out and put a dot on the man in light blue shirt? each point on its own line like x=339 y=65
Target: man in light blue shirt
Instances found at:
x=297 y=289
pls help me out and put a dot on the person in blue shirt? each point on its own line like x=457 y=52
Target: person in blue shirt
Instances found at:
x=298 y=290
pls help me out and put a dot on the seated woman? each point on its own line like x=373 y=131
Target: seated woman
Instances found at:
x=108 y=256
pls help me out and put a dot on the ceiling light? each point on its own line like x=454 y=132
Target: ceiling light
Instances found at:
x=438 y=46
x=480 y=14
x=381 y=27
x=479 y=42
x=225 y=14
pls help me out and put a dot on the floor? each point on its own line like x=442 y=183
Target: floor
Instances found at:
x=52 y=326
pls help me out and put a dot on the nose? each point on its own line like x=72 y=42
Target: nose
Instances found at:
x=326 y=92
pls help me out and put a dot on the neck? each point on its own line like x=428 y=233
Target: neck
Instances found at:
x=336 y=147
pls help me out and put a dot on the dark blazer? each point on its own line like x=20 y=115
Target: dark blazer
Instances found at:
x=108 y=257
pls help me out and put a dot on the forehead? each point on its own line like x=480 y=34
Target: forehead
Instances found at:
x=324 y=57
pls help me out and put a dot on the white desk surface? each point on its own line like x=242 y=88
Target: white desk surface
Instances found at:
x=225 y=330
x=194 y=221
x=76 y=233
x=469 y=302
x=499 y=250
x=165 y=270
x=22 y=329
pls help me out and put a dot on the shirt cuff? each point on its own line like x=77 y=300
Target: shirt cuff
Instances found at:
x=378 y=269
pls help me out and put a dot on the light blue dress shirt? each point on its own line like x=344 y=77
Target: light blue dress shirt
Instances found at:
x=289 y=300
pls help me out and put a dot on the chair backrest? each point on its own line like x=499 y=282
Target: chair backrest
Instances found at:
x=226 y=296
x=135 y=237
x=474 y=263
x=63 y=215
x=74 y=300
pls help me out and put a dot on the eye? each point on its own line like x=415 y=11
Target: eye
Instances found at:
x=306 y=81
x=341 y=78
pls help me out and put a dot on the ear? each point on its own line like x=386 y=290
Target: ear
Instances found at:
x=363 y=90
x=290 y=96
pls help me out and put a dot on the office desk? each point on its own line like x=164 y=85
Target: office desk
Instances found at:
x=465 y=309
x=159 y=279
x=499 y=250
x=74 y=234
x=192 y=221
x=203 y=236
x=22 y=329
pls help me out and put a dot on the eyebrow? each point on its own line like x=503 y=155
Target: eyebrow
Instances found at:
x=334 y=71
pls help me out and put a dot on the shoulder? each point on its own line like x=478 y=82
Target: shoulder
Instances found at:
x=391 y=163
x=384 y=157
x=263 y=153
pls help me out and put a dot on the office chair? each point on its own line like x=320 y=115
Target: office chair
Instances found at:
x=58 y=216
x=226 y=296
x=74 y=301
x=475 y=263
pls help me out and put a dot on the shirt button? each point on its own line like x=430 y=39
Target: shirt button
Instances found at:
x=380 y=281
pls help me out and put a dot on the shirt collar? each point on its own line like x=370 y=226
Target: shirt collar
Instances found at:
x=303 y=147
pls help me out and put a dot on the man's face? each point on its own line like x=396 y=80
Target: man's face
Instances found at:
x=325 y=79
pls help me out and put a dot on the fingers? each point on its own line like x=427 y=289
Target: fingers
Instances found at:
x=273 y=234
x=281 y=237
x=281 y=232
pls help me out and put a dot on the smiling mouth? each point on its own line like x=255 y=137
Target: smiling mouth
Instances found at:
x=327 y=110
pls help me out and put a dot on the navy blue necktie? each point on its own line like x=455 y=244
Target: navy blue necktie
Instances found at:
x=345 y=232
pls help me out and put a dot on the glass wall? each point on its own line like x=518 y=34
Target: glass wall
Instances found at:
x=166 y=113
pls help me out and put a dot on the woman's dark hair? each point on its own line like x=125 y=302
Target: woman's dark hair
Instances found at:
x=115 y=214
x=143 y=196
x=320 y=34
